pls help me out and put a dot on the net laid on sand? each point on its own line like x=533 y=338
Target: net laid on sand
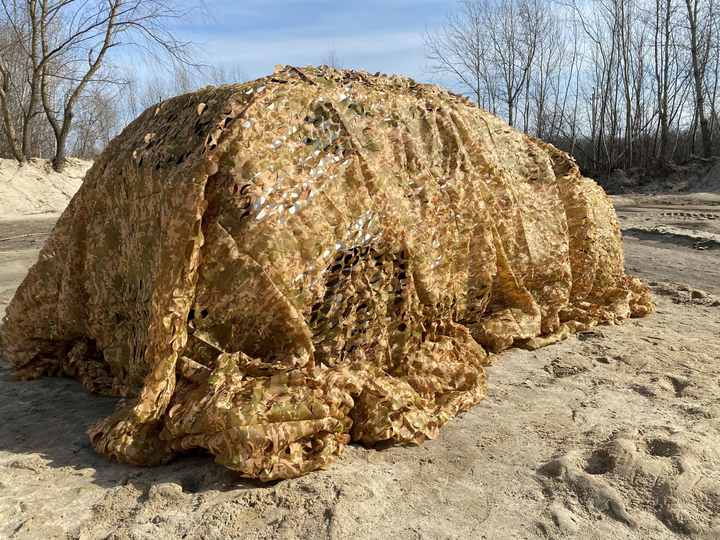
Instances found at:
x=272 y=269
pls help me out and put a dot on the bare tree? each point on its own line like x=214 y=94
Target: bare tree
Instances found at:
x=331 y=58
x=21 y=74
x=619 y=83
x=514 y=39
x=459 y=49
x=180 y=80
x=226 y=74
x=699 y=49
x=670 y=73
x=99 y=115
x=69 y=44
x=489 y=50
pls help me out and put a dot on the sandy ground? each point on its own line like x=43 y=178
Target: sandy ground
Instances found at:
x=613 y=433
x=34 y=189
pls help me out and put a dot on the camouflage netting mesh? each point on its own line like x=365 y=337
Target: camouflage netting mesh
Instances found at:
x=271 y=269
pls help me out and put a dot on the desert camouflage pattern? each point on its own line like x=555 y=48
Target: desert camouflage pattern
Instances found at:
x=270 y=270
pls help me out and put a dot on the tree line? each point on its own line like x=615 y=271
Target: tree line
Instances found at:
x=616 y=83
x=64 y=87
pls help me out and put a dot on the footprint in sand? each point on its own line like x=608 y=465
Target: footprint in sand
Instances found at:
x=655 y=470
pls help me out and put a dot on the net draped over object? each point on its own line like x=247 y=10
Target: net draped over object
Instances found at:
x=272 y=269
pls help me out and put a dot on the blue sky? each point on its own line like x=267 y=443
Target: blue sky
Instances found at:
x=376 y=35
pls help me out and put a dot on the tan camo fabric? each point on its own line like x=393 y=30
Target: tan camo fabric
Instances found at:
x=270 y=270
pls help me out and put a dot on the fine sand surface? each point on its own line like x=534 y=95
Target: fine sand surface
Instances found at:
x=35 y=190
x=613 y=433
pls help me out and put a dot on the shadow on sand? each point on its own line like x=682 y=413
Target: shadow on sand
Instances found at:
x=48 y=418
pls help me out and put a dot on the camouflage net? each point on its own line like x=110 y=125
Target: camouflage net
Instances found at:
x=269 y=270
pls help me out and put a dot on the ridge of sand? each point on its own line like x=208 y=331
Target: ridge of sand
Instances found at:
x=700 y=239
x=35 y=189
x=699 y=176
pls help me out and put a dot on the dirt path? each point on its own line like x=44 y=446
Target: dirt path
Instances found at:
x=26 y=234
x=673 y=238
x=613 y=433
x=20 y=243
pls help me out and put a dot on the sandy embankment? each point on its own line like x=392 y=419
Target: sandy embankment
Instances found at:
x=32 y=192
x=35 y=190
x=613 y=433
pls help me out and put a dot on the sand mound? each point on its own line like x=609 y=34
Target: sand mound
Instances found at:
x=35 y=189
x=698 y=176
x=709 y=182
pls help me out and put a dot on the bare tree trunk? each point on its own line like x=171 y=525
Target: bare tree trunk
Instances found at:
x=35 y=77
x=526 y=114
x=51 y=52
x=662 y=72
x=62 y=130
x=8 y=122
x=698 y=70
x=625 y=52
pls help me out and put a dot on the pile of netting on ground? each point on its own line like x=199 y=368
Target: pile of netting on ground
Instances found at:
x=272 y=269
